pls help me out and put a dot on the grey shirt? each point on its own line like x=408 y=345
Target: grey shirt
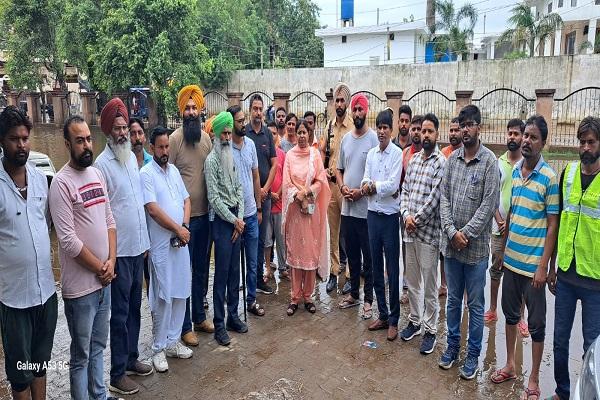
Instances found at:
x=351 y=162
x=26 y=278
x=246 y=160
x=126 y=196
x=469 y=199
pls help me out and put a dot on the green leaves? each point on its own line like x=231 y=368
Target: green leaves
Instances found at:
x=457 y=27
x=526 y=30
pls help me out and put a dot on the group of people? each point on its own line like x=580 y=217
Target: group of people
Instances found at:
x=356 y=196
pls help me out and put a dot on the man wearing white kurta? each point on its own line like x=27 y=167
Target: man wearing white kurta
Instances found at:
x=168 y=209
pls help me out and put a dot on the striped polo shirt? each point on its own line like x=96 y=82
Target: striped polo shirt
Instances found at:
x=532 y=199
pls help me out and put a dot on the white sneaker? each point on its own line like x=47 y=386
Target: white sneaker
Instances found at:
x=160 y=361
x=179 y=351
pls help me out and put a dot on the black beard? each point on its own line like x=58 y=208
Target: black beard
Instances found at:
x=161 y=160
x=281 y=125
x=403 y=132
x=454 y=141
x=588 y=158
x=416 y=140
x=340 y=112
x=241 y=132
x=428 y=145
x=192 y=130
x=85 y=159
x=513 y=146
x=359 y=122
x=17 y=160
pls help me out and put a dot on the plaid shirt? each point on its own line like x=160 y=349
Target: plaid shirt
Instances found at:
x=223 y=192
x=421 y=196
x=470 y=195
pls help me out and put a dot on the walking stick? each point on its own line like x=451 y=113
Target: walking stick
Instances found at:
x=243 y=264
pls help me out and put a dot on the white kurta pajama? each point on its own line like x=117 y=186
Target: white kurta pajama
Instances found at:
x=169 y=267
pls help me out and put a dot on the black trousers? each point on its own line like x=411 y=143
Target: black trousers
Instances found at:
x=356 y=240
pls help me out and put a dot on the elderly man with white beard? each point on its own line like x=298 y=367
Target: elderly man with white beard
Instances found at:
x=226 y=197
x=125 y=192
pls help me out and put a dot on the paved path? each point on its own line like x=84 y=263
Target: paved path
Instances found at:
x=316 y=356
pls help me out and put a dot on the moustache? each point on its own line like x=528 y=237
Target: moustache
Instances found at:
x=138 y=143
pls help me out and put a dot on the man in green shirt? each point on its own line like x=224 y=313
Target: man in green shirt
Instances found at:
x=226 y=199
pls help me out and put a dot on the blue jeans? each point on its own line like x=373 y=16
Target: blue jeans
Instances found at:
x=87 y=319
x=250 y=243
x=469 y=277
x=262 y=237
x=126 y=300
x=198 y=247
x=227 y=272
x=384 y=239
x=564 y=314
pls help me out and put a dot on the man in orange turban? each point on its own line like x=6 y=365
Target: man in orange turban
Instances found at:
x=187 y=93
x=189 y=148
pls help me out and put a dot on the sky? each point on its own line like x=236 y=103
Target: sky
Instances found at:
x=496 y=13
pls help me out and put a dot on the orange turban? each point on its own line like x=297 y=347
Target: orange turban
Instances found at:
x=190 y=92
x=110 y=111
x=208 y=124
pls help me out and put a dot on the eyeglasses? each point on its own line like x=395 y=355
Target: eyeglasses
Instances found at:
x=468 y=124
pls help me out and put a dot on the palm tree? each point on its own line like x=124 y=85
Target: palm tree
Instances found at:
x=456 y=25
x=526 y=30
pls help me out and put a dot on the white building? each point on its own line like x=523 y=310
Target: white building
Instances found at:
x=401 y=43
x=580 y=19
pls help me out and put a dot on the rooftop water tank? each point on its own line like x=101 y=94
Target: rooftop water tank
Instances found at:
x=347 y=10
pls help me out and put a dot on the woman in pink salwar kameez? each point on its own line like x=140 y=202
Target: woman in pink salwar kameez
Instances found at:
x=305 y=197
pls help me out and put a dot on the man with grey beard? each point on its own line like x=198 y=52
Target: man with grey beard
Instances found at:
x=124 y=186
x=226 y=198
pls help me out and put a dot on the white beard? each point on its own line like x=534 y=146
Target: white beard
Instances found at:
x=226 y=157
x=122 y=151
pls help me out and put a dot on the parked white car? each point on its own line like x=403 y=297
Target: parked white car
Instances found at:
x=43 y=163
x=588 y=384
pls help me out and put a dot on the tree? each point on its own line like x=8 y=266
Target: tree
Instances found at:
x=230 y=31
x=150 y=43
x=289 y=33
x=456 y=27
x=30 y=42
x=526 y=30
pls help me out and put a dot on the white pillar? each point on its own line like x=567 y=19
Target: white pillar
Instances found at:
x=591 y=35
x=493 y=50
x=557 y=42
x=547 y=44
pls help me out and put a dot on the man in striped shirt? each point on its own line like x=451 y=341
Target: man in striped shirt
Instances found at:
x=532 y=230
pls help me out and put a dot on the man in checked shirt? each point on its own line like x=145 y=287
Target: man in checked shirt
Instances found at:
x=470 y=193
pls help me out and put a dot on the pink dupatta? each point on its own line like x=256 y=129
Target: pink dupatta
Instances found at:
x=306 y=235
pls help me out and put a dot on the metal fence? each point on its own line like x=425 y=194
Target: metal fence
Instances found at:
x=376 y=105
x=431 y=101
x=568 y=112
x=310 y=101
x=499 y=106
x=214 y=103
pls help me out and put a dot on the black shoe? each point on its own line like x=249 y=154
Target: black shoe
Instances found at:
x=236 y=325
x=331 y=283
x=347 y=287
x=222 y=337
x=262 y=287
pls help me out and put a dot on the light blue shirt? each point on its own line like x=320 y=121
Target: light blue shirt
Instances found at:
x=384 y=168
x=126 y=196
x=26 y=278
x=246 y=161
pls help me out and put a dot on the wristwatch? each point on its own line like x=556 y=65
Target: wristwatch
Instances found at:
x=186 y=226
